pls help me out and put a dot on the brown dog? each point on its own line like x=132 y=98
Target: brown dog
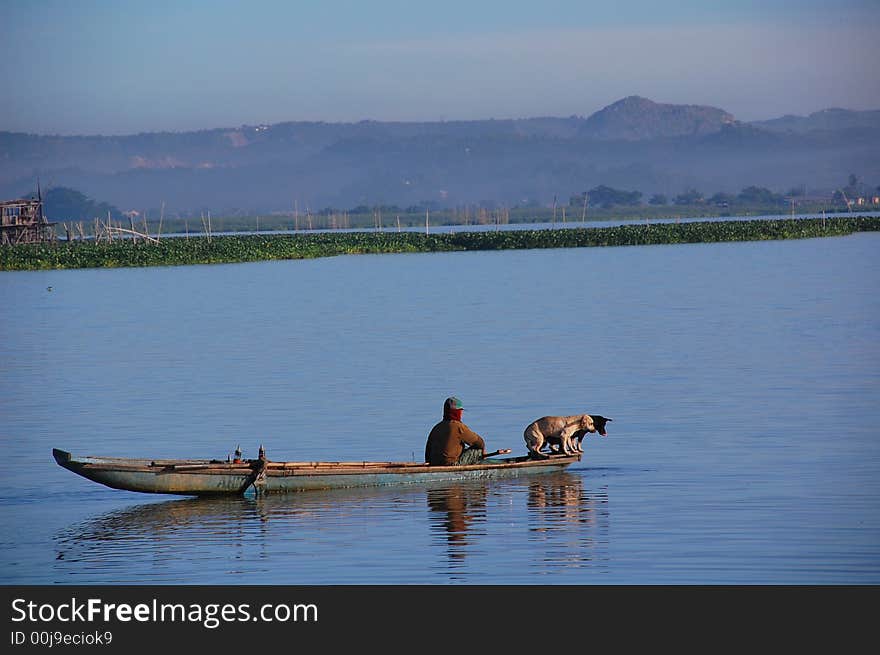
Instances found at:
x=564 y=432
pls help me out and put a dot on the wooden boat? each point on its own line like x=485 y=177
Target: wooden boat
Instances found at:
x=204 y=477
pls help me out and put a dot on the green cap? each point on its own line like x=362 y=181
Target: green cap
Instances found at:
x=453 y=403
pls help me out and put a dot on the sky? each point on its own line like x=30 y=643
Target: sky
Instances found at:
x=130 y=66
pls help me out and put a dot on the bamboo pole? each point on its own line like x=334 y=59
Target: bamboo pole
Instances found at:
x=146 y=237
x=206 y=224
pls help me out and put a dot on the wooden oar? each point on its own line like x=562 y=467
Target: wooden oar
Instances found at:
x=502 y=451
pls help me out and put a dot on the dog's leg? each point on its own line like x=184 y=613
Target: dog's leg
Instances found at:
x=567 y=447
x=563 y=445
x=534 y=442
x=539 y=444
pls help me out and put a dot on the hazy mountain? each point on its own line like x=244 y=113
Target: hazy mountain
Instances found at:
x=632 y=144
x=635 y=118
x=828 y=119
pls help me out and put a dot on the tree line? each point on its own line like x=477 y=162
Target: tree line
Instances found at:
x=607 y=197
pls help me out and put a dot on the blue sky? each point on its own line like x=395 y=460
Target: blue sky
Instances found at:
x=124 y=66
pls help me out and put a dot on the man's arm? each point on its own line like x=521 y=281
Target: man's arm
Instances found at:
x=471 y=438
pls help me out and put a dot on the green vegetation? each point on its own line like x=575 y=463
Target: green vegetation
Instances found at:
x=606 y=197
x=228 y=249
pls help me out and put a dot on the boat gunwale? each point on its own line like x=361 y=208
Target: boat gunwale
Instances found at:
x=294 y=468
x=346 y=468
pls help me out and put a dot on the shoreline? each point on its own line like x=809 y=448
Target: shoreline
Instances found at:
x=228 y=249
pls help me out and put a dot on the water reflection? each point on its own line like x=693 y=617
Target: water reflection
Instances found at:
x=152 y=538
x=222 y=518
x=568 y=524
x=315 y=537
x=475 y=530
x=458 y=508
x=565 y=523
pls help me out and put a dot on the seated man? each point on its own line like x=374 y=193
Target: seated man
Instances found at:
x=451 y=441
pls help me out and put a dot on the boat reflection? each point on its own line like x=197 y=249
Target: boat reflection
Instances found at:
x=223 y=515
x=315 y=536
x=343 y=535
x=566 y=523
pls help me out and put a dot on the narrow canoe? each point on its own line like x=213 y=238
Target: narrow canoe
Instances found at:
x=204 y=477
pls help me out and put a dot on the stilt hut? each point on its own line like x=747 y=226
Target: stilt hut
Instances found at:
x=23 y=221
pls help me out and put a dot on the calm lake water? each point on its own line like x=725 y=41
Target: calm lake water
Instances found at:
x=743 y=380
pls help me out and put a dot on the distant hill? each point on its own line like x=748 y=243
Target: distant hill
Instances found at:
x=635 y=119
x=827 y=119
x=634 y=144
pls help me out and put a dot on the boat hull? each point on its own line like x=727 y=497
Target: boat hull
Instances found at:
x=214 y=477
x=182 y=477
x=305 y=480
